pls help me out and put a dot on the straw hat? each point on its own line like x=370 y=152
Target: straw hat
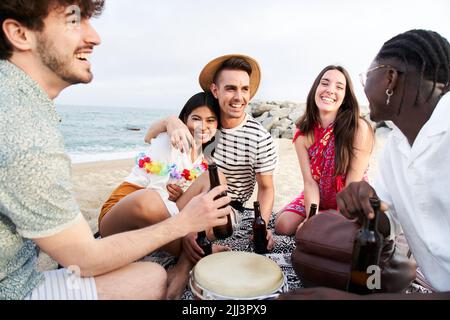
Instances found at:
x=206 y=77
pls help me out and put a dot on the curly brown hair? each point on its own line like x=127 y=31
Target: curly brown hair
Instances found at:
x=31 y=13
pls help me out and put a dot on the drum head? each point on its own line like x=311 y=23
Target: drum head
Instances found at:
x=238 y=275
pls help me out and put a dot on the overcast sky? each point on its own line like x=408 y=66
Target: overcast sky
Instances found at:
x=153 y=50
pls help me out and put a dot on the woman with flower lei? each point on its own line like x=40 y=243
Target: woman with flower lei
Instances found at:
x=164 y=179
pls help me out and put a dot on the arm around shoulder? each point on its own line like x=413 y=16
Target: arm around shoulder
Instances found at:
x=159 y=127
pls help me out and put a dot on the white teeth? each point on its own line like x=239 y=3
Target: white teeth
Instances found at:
x=236 y=105
x=328 y=100
x=83 y=56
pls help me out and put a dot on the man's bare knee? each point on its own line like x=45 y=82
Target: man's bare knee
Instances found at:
x=137 y=281
x=154 y=281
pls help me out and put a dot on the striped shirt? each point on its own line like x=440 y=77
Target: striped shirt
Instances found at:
x=241 y=153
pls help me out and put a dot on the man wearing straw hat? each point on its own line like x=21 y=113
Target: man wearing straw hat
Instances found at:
x=244 y=151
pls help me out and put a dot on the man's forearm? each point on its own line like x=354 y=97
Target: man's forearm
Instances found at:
x=266 y=200
x=121 y=249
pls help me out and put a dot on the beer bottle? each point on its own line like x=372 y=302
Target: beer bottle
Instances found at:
x=259 y=231
x=204 y=243
x=366 y=251
x=312 y=210
x=226 y=230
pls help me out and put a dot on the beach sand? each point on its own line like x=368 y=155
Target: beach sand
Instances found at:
x=93 y=183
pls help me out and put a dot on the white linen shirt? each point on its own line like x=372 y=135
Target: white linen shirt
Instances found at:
x=415 y=182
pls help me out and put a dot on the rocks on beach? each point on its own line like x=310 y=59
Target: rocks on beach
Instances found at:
x=279 y=117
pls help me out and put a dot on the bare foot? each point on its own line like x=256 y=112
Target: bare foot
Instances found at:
x=178 y=278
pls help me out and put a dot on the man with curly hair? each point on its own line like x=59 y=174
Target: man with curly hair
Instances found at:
x=45 y=47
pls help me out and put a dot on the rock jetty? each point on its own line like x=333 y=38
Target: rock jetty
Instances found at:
x=279 y=117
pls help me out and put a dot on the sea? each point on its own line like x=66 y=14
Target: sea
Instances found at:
x=106 y=133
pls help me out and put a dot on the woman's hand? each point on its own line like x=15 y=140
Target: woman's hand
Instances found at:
x=175 y=192
x=193 y=251
x=270 y=240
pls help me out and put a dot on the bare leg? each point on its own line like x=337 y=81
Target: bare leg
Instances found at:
x=139 y=209
x=134 y=212
x=178 y=276
x=287 y=222
x=137 y=281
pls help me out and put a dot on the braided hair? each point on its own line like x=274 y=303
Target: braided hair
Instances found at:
x=425 y=50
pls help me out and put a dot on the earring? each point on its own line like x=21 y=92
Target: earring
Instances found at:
x=389 y=93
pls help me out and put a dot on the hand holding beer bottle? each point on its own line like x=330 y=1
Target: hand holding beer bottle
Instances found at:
x=366 y=252
x=226 y=230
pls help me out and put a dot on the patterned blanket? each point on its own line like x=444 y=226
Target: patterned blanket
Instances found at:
x=240 y=241
x=281 y=254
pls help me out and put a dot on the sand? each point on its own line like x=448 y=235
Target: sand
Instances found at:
x=93 y=182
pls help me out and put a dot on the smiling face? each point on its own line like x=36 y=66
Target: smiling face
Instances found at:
x=330 y=92
x=202 y=123
x=64 y=45
x=232 y=90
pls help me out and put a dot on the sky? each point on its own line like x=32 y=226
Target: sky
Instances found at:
x=152 y=51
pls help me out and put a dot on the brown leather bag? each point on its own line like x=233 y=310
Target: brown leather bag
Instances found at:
x=323 y=255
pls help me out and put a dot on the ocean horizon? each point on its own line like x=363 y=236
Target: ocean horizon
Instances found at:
x=106 y=133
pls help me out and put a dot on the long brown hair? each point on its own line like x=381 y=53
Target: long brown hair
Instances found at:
x=345 y=124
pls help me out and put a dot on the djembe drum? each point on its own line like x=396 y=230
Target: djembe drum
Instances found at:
x=235 y=275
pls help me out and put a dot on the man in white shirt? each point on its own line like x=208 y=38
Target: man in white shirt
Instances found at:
x=406 y=84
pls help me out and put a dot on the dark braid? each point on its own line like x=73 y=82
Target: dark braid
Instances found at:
x=426 y=50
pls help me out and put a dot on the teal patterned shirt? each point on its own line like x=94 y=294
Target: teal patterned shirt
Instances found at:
x=36 y=197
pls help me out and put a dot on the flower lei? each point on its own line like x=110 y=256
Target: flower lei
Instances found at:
x=161 y=169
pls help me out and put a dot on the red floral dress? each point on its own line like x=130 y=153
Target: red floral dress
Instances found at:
x=321 y=158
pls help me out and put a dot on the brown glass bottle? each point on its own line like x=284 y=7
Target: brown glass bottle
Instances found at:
x=226 y=230
x=312 y=210
x=204 y=243
x=259 y=231
x=366 y=252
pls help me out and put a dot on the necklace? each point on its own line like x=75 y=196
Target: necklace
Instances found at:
x=163 y=169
